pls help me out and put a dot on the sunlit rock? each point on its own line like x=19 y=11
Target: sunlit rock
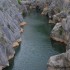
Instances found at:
x=19 y=40
x=15 y=44
x=6 y=50
x=57 y=33
x=10 y=18
x=60 y=62
x=61 y=32
x=21 y=30
x=23 y=24
x=45 y=11
x=58 y=17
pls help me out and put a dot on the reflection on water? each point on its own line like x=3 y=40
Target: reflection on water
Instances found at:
x=36 y=47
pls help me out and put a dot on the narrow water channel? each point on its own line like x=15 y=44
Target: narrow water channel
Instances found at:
x=36 y=47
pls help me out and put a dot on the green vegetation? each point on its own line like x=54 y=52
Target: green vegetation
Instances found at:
x=23 y=14
x=19 y=1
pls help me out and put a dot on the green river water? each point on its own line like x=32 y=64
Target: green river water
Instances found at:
x=36 y=47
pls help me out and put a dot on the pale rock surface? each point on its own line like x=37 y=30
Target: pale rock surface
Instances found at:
x=60 y=61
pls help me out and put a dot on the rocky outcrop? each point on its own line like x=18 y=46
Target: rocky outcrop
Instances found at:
x=11 y=23
x=60 y=62
x=60 y=32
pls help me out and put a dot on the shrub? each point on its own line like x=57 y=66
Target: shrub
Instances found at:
x=19 y=1
x=23 y=14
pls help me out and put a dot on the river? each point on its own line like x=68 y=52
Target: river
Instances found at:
x=36 y=47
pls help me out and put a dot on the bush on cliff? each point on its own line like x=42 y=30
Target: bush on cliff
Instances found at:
x=19 y=1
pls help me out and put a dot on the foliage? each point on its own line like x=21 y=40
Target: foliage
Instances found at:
x=23 y=14
x=19 y=1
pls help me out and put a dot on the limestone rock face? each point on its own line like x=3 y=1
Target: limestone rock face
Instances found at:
x=60 y=32
x=59 y=16
x=10 y=19
x=60 y=62
x=56 y=6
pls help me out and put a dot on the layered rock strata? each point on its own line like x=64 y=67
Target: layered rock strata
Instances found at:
x=11 y=23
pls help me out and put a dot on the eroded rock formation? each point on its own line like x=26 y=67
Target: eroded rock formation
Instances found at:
x=11 y=22
x=61 y=32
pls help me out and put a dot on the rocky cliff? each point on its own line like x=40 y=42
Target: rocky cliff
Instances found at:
x=10 y=30
x=59 y=14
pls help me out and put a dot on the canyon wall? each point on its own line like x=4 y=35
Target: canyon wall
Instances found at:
x=11 y=22
x=59 y=15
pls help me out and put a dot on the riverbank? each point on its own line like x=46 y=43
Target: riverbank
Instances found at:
x=59 y=13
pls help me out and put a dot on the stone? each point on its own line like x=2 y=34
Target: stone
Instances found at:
x=15 y=44
x=19 y=40
x=21 y=30
x=23 y=24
